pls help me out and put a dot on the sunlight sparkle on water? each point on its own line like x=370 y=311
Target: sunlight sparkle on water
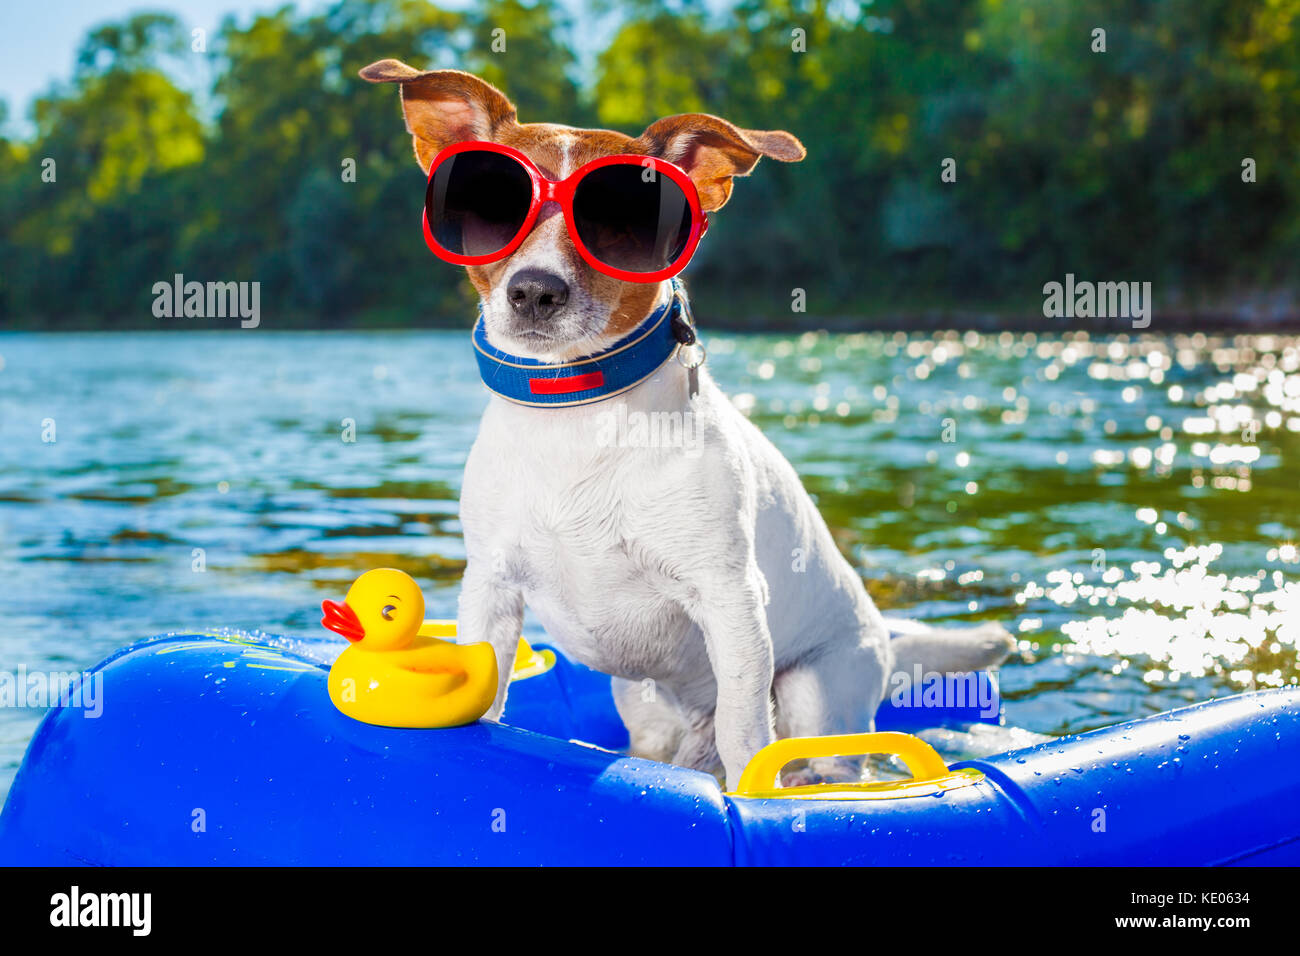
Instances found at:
x=1174 y=425
x=1183 y=616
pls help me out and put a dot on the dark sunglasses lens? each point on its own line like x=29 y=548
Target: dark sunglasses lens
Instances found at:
x=631 y=217
x=477 y=202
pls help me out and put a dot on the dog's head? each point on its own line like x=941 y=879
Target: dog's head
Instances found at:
x=544 y=300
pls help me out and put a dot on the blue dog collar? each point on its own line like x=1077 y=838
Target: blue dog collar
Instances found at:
x=626 y=363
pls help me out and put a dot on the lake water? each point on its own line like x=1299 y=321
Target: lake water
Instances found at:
x=1126 y=506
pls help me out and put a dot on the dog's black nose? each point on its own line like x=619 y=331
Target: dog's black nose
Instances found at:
x=537 y=295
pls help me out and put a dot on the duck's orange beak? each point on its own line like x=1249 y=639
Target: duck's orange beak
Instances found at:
x=342 y=620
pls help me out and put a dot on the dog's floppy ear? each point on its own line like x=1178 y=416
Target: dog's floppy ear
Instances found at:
x=443 y=106
x=712 y=151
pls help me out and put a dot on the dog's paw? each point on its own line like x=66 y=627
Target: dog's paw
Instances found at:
x=803 y=777
x=823 y=771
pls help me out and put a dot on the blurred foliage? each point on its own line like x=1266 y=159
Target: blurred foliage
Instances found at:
x=1122 y=165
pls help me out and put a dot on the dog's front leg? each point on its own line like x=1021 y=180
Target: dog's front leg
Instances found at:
x=490 y=610
x=731 y=614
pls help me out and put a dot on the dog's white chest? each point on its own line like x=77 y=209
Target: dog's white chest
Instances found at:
x=569 y=523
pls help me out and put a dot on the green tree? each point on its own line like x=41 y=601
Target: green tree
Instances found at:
x=96 y=230
x=292 y=172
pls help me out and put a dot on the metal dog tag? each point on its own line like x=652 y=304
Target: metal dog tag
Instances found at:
x=691 y=357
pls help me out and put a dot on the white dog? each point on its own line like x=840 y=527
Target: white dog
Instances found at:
x=695 y=570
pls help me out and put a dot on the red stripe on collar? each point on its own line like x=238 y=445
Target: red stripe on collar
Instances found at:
x=566 y=384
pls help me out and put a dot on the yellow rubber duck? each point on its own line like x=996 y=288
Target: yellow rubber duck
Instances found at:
x=393 y=676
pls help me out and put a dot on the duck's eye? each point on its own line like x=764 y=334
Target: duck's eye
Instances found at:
x=386 y=612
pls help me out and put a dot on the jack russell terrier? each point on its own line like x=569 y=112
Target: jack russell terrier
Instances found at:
x=703 y=580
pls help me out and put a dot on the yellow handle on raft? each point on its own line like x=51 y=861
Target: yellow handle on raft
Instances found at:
x=929 y=772
x=529 y=662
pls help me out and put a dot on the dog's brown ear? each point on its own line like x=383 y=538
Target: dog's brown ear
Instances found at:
x=443 y=106
x=713 y=151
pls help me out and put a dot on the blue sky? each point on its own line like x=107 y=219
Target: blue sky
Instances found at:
x=39 y=38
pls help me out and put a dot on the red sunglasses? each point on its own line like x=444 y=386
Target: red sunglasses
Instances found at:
x=635 y=218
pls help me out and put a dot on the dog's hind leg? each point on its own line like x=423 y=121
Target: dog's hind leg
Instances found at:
x=658 y=729
x=654 y=727
x=698 y=748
